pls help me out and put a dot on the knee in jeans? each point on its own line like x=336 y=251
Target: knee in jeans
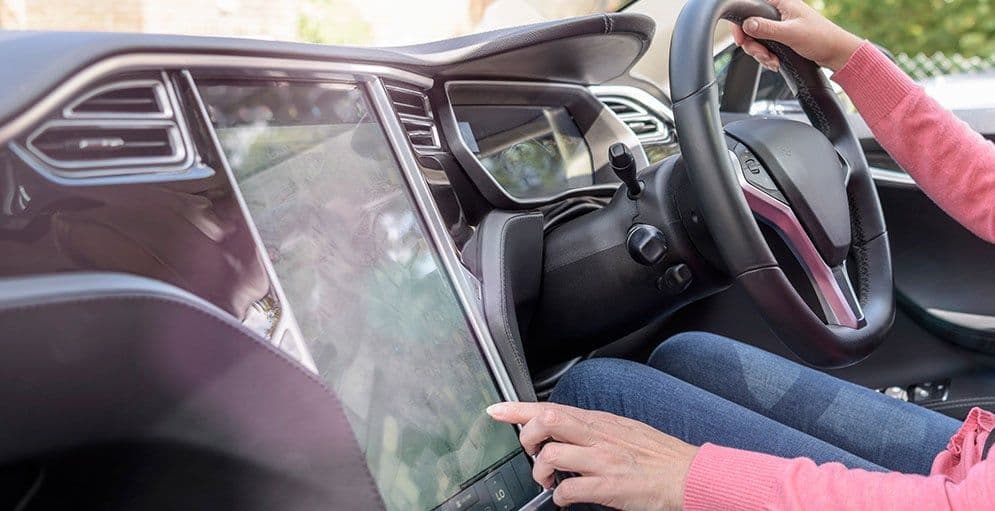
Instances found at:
x=685 y=347
x=589 y=377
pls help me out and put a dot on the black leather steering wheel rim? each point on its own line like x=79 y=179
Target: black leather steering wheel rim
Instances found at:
x=728 y=215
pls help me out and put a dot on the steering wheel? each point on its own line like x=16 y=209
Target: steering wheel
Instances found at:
x=810 y=182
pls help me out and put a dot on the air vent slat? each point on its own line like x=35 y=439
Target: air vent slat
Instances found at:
x=642 y=127
x=136 y=98
x=647 y=127
x=78 y=145
x=415 y=113
x=101 y=104
x=623 y=107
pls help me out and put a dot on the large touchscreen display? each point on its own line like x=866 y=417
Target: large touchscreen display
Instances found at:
x=377 y=314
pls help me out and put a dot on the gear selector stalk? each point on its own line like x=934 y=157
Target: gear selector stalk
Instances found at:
x=624 y=166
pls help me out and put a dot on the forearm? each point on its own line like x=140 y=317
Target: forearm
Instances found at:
x=952 y=163
x=723 y=478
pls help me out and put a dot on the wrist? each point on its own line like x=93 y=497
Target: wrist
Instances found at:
x=845 y=47
x=683 y=470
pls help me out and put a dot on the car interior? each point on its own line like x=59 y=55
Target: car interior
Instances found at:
x=245 y=274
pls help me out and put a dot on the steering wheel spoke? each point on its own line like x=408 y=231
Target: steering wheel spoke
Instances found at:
x=847 y=292
x=832 y=286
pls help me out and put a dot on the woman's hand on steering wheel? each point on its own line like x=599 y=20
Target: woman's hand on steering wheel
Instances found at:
x=801 y=28
x=621 y=463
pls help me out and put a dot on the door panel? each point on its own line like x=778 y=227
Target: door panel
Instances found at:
x=944 y=275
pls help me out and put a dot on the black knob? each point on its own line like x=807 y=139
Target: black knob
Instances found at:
x=677 y=278
x=646 y=244
x=624 y=166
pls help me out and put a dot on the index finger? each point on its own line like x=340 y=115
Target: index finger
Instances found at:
x=544 y=421
x=519 y=412
x=558 y=425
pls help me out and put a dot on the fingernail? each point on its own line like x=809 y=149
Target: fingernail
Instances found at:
x=752 y=25
x=497 y=409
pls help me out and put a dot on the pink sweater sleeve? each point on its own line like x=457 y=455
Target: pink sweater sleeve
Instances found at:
x=953 y=165
x=724 y=479
x=730 y=479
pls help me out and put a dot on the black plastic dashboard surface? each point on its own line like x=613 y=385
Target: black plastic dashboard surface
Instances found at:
x=585 y=50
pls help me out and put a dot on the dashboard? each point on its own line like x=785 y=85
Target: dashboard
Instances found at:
x=320 y=198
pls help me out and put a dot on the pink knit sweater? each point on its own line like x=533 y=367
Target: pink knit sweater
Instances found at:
x=956 y=167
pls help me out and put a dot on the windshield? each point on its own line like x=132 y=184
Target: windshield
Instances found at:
x=347 y=22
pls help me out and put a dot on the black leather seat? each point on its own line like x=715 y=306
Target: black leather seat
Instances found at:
x=132 y=394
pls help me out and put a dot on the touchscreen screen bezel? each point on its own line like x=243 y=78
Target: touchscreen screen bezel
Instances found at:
x=433 y=224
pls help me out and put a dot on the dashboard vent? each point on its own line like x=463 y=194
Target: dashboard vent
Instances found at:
x=72 y=145
x=128 y=127
x=128 y=99
x=416 y=118
x=622 y=107
x=649 y=129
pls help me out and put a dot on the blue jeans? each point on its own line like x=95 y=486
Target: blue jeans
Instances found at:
x=704 y=388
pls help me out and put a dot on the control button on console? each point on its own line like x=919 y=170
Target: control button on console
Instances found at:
x=498 y=490
x=524 y=472
x=677 y=278
x=511 y=478
x=464 y=500
x=646 y=244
